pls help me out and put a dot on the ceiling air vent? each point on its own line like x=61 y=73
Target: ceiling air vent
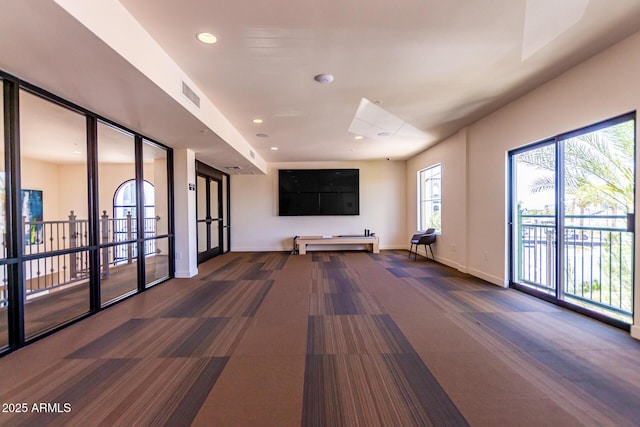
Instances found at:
x=252 y=154
x=190 y=94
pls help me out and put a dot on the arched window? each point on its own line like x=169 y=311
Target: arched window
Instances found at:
x=124 y=200
x=124 y=223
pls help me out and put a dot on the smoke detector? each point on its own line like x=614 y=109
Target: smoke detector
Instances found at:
x=324 y=78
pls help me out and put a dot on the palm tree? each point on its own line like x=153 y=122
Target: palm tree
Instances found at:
x=599 y=167
x=599 y=173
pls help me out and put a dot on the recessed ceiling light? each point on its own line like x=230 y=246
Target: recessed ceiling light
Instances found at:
x=262 y=135
x=274 y=148
x=77 y=152
x=257 y=121
x=358 y=137
x=207 y=38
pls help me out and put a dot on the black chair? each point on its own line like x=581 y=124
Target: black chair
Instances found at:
x=426 y=239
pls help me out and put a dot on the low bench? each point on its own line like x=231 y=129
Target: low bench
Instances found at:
x=300 y=242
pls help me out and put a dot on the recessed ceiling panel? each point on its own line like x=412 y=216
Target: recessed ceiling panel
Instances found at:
x=374 y=122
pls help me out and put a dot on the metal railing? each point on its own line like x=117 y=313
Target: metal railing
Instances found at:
x=43 y=273
x=597 y=258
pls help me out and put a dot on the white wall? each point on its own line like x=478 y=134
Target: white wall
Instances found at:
x=184 y=173
x=110 y=177
x=256 y=226
x=64 y=186
x=450 y=247
x=72 y=192
x=603 y=87
x=43 y=176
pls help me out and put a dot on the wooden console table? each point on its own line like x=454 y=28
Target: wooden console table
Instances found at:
x=301 y=242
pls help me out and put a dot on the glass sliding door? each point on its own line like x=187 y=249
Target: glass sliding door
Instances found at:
x=535 y=207
x=572 y=218
x=598 y=198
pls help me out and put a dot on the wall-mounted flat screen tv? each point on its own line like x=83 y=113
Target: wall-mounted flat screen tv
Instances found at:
x=318 y=192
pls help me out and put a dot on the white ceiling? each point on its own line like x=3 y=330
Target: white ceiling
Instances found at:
x=435 y=65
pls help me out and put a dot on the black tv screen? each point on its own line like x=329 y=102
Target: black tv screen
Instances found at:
x=318 y=192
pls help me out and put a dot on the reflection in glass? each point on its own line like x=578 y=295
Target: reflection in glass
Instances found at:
x=156 y=190
x=202 y=237
x=156 y=265
x=53 y=173
x=118 y=277
x=53 y=295
x=156 y=211
x=117 y=202
x=4 y=328
x=116 y=179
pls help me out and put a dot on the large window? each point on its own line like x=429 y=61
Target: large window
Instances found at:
x=430 y=198
x=118 y=231
x=54 y=207
x=156 y=212
x=64 y=254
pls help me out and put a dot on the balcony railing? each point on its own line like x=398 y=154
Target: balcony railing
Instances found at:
x=597 y=258
x=67 y=262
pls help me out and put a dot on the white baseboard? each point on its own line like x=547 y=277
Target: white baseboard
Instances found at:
x=260 y=249
x=446 y=261
x=396 y=247
x=498 y=281
x=317 y=248
x=635 y=331
x=477 y=273
x=185 y=274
